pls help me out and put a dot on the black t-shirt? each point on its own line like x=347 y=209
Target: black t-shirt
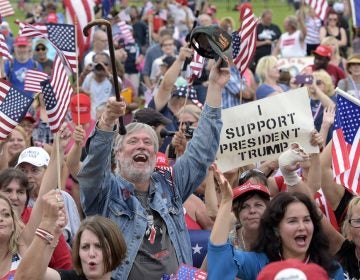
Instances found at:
x=347 y=258
x=71 y=275
x=340 y=211
x=271 y=32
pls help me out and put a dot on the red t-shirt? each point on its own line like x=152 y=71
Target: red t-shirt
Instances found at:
x=335 y=72
x=61 y=258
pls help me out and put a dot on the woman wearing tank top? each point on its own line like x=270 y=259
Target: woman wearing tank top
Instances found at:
x=332 y=29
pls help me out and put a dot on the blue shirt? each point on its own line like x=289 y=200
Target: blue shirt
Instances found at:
x=226 y=263
x=112 y=196
x=231 y=93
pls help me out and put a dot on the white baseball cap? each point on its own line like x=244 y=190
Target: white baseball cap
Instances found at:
x=36 y=156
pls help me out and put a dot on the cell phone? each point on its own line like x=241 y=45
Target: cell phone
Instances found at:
x=304 y=79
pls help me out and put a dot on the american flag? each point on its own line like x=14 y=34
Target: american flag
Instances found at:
x=187 y=272
x=355 y=8
x=82 y=12
x=4 y=51
x=196 y=66
x=346 y=142
x=5 y=8
x=125 y=33
x=13 y=107
x=319 y=6
x=61 y=37
x=246 y=41
x=32 y=80
x=57 y=92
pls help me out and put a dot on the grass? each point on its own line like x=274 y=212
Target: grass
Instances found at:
x=280 y=10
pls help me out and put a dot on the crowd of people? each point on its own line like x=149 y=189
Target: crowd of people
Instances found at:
x=89 y=203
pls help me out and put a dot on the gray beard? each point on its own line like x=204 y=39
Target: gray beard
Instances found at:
x=133 y=174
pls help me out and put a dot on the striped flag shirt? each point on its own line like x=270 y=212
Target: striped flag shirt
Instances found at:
x=319 y=6
x=32 y=80
x=6 y=9
x=4 y=50
x=126 y=33
x=57 y=93
x=61 y=37
x=346 y=142
x=247 y=40
x=13 y=107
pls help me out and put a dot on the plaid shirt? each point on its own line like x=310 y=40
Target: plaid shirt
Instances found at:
x=231 y=92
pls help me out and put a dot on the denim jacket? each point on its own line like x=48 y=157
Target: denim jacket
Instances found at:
x=112 y=196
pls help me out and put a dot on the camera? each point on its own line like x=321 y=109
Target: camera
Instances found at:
x=189 y=131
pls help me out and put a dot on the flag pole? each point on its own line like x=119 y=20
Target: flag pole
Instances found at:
x=77 y=73
x=58 y=163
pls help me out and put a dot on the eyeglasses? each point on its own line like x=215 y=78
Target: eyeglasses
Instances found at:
x=319 y=82
x=332 y=19
x=40 y=49
x=355 y=223
x=167 y=45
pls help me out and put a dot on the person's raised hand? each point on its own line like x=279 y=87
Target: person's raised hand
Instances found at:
x=316 y=139
x=179 y=143
x=223 y=184
x=291 y=159
x=329 y=115
x=185 y=52
x=219 y=75
x=79 y=135
x=113 y=110
x=63 y=135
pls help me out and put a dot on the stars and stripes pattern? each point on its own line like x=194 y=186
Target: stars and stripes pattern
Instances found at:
x=6 y=9
x=187 y=272
x=57 y=93
x=61 y=37
x=196 y=66
x=247 y=40
x=32 y=80
x=320 y=7
x=346 y=142
x=80 y=12
x=125 y=33
x=13 y=107
x=4 y=50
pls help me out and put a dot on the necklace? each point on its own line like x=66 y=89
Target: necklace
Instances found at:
x=242 y=239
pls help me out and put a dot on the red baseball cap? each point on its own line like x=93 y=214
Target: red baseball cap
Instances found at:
x=323 y=50
x=29 y=117
x=84 y=107
x=51 y=18
x=250 y=187
x=292 y=270
x=22 y=41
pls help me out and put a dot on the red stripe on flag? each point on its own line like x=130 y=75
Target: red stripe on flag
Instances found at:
x=4 y=50
x=6 y=9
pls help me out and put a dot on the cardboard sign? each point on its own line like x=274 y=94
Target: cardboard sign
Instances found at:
x=263 y=129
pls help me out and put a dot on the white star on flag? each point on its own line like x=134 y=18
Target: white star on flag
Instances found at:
x=197 y=249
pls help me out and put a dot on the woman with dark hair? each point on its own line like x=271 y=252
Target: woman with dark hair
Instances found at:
x=98 y=248
x=290 y=229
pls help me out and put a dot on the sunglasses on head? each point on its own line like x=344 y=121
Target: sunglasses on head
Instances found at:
x=40 y=49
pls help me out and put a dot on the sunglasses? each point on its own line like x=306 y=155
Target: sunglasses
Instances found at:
x=40 y=49
x=319 y=82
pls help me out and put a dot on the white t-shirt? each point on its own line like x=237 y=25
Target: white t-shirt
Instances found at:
x=291 y=46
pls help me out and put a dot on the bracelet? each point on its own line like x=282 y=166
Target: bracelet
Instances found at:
x=45 y=235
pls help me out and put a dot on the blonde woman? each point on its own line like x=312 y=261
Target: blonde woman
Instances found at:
x=335 y=58
x=322 y=95
x=268 y=73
